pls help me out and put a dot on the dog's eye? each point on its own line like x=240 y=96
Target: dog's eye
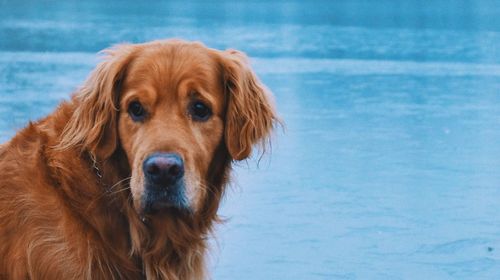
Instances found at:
x=136 y=111
x=199 y=111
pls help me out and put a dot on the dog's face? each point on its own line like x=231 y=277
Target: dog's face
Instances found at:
x=170 y=122
x=169 y=105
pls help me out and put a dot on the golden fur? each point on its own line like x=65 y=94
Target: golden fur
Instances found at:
x=71 y=183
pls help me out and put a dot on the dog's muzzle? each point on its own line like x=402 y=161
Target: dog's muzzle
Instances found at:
x=164 y=182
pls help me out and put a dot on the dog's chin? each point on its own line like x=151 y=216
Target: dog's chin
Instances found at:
x=168 y=206
x=161 y=203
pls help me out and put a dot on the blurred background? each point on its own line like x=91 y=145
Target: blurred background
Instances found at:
x=389 y=164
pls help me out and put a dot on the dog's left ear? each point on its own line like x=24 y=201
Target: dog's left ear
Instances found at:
x=250 y=115
x=93 y=124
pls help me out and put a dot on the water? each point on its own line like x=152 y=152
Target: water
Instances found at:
x=388 y=166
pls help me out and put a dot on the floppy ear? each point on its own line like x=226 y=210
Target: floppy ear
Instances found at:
x=250 y=116
x=93 y=124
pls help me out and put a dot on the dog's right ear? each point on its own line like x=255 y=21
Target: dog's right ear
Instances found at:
x=93 y=125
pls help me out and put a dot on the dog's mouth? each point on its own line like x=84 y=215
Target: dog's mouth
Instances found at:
x=158 y=199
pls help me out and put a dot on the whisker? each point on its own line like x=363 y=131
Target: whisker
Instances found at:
x=206 y=188
x=110 y=191
x=119 y=191
x=119 y=182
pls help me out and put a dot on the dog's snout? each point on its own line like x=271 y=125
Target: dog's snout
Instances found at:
x=163 y=168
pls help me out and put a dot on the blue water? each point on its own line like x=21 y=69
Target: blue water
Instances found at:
x=389 y=164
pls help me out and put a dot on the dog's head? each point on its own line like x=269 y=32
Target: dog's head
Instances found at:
x=172 y=107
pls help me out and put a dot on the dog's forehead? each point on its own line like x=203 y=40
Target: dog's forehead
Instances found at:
x=171 y=66
x=169 y=63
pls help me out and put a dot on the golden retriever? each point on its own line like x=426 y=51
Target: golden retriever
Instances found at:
x=124 y=180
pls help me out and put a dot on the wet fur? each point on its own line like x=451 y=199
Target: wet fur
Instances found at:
x=60 y=220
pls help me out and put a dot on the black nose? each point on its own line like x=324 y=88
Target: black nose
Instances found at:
x=163 y=168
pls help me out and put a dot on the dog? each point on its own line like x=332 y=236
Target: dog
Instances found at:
x=123 y=181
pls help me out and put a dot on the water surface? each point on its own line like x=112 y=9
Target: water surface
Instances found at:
x=388 y=168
